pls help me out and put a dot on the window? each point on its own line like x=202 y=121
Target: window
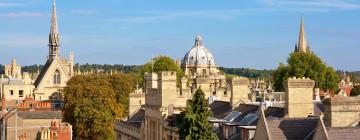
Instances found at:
x=225 y=93
x=57 y=78
x=11 y=92
x=21 y=93
x=204 y=71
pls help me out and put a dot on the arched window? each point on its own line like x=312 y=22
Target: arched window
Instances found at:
x=57 y=78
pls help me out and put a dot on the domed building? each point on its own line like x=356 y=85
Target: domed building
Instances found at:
x=200 y=67
x=199 y=61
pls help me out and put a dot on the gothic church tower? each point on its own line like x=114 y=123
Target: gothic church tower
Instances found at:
x=56 y=71
x=302 y=45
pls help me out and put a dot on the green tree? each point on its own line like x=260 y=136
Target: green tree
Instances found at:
x=355 y=91
x=160 y=63
x=193 y=122
x=123 y=84
x=92 y=102
x=306 y=65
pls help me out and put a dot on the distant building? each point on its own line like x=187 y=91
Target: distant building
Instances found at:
x=302 y=45
x=49 y=82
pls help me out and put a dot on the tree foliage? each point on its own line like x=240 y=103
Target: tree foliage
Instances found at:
x=92 y=103
x=355 y=91
x=193 y=122
x=160 y=63
x=306 y=65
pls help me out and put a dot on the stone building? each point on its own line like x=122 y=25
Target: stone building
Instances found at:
x=52 y=78
x=199 y=65
x=56 y=71
x=152 y=112
x=13 y=70
x=302 y=45
x=15 y=85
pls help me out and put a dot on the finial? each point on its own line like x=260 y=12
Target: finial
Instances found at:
x=198 y=40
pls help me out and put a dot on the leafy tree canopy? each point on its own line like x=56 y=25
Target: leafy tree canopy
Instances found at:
x=161 y=63
x=193 y=122
x=355 y=91
x=92 y=103
x=306 y=65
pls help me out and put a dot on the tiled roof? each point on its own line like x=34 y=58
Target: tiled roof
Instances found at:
x=220 y=109
x=137 y=118
x=341 y=99
x=344 y=133
x=40 y=115
x=42 y=73
x=292 y=128
x=278 y=112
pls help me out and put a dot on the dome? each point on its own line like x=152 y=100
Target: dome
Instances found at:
x=198 y=55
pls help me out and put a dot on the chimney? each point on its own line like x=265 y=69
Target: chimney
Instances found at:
x=299 y=97
x=239 y=88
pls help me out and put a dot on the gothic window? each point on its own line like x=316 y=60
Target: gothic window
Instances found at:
x=57 y=77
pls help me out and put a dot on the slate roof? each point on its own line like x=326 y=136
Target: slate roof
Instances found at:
x=136 y=119
x=42 y=73
x=220 y=109
x=292 y=128
x=39 y=115
x=343 y=133
x=278 y=112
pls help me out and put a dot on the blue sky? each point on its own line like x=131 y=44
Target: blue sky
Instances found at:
x=240 y=33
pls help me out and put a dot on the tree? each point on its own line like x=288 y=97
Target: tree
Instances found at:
x=193 y=122
x=306 y=65
x=123 y=84
x=160 y=63
x=92 y=102
x=355 y=91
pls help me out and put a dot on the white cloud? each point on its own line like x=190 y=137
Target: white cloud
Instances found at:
x=170 y=15
x=18 y=40
x=9 y=4
x=21 y=14
x=84 y=11
x=325 y=4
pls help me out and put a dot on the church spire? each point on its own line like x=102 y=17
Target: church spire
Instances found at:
x=302 y=44
x=54 y=36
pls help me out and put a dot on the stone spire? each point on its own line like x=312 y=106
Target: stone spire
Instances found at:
x=198 y=41
x=54 y=36
x=302 y=45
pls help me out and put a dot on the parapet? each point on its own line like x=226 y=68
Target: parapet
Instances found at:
x=167 y=75
x=300 y=82
x=238 y=81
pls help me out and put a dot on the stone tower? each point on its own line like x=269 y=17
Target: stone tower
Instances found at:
x=239 y=90
x=299 y=97
x=302 y=45
x=54 y=36
x=13 y=70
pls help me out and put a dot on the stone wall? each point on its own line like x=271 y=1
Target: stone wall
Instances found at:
x=341 y=111
x=239 y=90
x=299 y=97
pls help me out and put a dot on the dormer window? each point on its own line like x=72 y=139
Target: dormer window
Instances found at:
x=57 y=77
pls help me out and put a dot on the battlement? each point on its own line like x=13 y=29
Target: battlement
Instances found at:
x=299 y=97
x=303 y=82
x=167 y=75
x=341 y=111
x=238 y=81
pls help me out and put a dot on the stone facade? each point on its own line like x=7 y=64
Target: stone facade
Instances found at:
x=13 y=70
x=165 y=98
x=299 y=97
x=340 y=111
x=239 y=88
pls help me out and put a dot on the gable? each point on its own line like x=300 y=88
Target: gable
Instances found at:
x=46 y=75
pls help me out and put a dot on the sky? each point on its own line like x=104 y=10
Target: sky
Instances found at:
x=256 y=34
